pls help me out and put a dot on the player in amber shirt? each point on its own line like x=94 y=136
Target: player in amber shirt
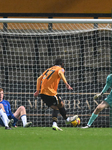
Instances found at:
x=50 y=80
x=47 y=84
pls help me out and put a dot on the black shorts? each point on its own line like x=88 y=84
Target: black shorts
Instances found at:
x=51 y=100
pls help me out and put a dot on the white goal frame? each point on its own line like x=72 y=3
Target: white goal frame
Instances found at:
x=60 y=21
x=30 y=20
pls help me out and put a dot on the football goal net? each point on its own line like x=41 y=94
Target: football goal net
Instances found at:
x=29 y=46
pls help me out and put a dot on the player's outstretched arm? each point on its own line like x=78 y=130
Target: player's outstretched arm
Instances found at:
x=38 y=85
x=68 y=86
x=36 y=93
x=97 y=95
x=106 y=87
x=64 y=80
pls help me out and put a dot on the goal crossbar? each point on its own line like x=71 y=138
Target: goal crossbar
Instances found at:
x=30 y=20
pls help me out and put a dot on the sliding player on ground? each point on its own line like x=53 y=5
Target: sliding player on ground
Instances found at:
x=47 y=84
x=104 y=104
x=7 y=118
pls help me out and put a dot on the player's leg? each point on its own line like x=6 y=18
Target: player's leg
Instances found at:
x=98 y=109
x=51 y=102
x=3 y=117
x=10 y=122
x=21 y=113
x=94 y=115
x=58 y=104
x=63 y=111
x=54 y=118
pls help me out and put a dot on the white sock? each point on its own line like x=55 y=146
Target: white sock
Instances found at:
x=24 y=120
x=54 y=124
x=67 y=119
x=4 y=117
x=8 y=120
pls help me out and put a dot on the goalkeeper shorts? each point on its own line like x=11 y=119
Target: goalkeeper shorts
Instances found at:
x=109 y=99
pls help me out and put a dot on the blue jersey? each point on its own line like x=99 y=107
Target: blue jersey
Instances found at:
x=8 y=111
x=7 y=108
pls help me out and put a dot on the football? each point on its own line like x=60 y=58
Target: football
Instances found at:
x=76 y=122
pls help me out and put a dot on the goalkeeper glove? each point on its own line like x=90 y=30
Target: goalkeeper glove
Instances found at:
x=97 y=95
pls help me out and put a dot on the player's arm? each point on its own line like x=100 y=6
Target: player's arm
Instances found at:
x=38 y=85
x=106 y=87
x=61 y=75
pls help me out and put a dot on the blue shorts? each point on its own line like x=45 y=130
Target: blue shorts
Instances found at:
x=10 y=117
x=109 y=99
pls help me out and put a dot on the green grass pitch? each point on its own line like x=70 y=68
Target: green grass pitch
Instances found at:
x=44 y=138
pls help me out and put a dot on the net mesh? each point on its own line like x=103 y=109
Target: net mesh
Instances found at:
x=28 y=49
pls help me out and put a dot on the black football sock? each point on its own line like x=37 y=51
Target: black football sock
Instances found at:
x=63 y=112
x=54 y=115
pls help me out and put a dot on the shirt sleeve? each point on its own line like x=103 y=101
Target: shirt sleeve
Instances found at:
x=61 y=75
x=39 y=82
x=106 y=87
x=108 y=83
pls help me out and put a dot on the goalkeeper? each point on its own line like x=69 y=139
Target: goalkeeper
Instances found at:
x=104 y=104
x=47 y=84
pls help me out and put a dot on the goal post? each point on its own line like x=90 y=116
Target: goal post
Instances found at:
x=111 y=72
x=30 y=46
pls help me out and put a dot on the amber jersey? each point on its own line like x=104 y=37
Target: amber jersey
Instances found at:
x=50 y=80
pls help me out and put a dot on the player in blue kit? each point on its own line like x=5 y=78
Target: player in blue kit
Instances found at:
x=104 y=104
x=7 y=118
